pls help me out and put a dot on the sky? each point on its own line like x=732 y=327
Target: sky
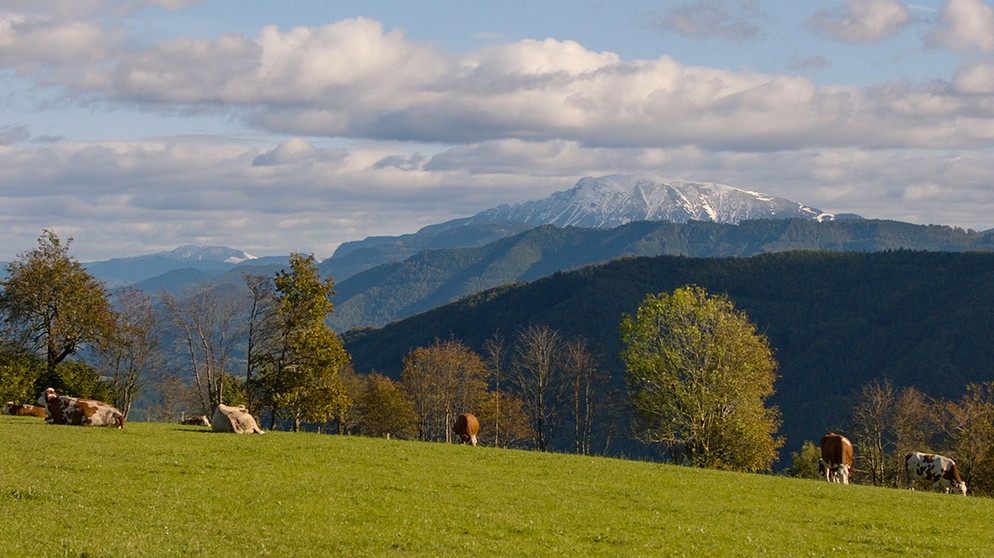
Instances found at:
x=137 y=126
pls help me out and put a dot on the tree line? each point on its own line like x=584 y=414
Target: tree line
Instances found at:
x=887 y=423
x=699 y=374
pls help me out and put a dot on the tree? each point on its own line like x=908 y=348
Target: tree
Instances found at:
x=494 y=353
x=131 y=350
x=914 y=427
x=804 y=464
x=699 y=376
x=537 y=370
x=300 y=370
x=19 y=372
x=508 y=410
x=52 y=305
x=587 y=388
x=263 y=320
x=969 y=423
x=205 y=326
x=444 y=380
x=872 y=411
x=386 y=409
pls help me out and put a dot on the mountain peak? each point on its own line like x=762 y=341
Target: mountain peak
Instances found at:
x=208 y=253
x=615 y=200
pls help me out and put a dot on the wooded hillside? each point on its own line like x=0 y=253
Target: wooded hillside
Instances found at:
x=835 y=320
x=422 y=281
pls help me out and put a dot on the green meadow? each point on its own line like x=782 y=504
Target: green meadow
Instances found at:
x=168 y=490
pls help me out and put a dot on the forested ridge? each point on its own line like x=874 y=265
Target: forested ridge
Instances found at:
x=835 y=320
x=413 y=283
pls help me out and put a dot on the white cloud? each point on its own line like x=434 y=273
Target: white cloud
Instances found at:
x=965 y=25
x=422 y=135
x=976 y=79
x=862 y=21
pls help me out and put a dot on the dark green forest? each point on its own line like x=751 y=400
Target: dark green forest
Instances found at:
x=835 y=320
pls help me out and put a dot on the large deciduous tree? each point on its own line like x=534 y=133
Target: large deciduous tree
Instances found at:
x=52 y=305
x=299 y=373
x=699 y=376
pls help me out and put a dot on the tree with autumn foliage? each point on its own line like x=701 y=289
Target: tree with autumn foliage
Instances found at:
x=444 y=380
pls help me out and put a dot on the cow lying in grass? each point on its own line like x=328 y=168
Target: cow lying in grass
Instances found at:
x=234 y=419
x=17 y=410
x=200 y=420
x=79 y=412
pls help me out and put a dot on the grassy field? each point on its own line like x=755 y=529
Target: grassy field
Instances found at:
x=169 y=490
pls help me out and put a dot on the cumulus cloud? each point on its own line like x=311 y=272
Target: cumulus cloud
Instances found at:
x=423 y=135
x=862 y=21
x=355 y=79
x=965 y=25
x=712 y=19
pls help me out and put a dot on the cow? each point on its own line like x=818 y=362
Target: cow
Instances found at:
x=940 y=470
x=836 y=458
x=17 y=410
x=467 y=427
x=200 y=420
x=79 y=412
x=234 y=419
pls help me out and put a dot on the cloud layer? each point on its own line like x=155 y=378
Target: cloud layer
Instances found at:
x=374 y=133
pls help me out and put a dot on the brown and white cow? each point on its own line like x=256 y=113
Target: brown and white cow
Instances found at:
x=234 y=419
x=467 y=427
x=17 y=410
x=836 y=458
x=940 y=470
x=79 y=412
x=200 y=420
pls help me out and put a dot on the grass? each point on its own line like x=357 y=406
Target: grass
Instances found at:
x=169 y=490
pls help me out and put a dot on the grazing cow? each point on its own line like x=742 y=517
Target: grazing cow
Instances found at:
x=467 y=427
x=200 y=420
x=836 y=458
x=234 y=419
x=24 y=410
x=79 y=412
x=937 y=469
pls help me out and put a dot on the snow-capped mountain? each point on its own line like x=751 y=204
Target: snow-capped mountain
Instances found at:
x=605 y=202
x=615 y=200
x=208 y=259
x=208 y=253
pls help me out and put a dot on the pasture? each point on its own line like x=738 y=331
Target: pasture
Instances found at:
x=170 y=490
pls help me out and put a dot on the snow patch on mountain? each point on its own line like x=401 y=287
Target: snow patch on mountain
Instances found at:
x=208 y=253
x=615 y=200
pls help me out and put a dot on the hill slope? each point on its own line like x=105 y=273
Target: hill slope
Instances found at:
x=165 y=490
x=835 y=320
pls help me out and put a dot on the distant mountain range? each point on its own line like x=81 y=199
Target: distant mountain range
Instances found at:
x=602 y=203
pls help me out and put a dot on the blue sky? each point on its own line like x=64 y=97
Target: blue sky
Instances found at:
x=136 y=126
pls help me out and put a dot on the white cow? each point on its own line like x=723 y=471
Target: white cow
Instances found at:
x=234 y=419
x=937 y=469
